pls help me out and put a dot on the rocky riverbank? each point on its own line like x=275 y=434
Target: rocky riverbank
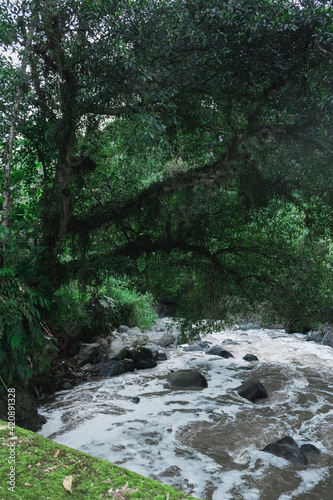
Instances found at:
x=126 y=349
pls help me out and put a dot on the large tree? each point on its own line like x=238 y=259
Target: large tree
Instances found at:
x=166 y=132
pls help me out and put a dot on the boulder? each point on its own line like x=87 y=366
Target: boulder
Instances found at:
x=142 y=357
x=159 y=327
x=88 y=352
x=193 y=348
x=26 y=414
x=129 y=364
x=163 y=338
x=117 y=349
x=198 y=346
x=134 y=337
x=252 y=390
x=250 y=357
x=187 y=378
x=217 y=350
x=123 y=328
x=309 y=449
x=288 y=449
x=65 y=386
x=161 y=356
x=111 y=368
x=143 y=364
x=229 y=341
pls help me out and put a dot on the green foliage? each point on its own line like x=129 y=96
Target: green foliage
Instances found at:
x=69 y=312
x=21 y=336
x=125 y=305
x=186 y=145
x=99 y=311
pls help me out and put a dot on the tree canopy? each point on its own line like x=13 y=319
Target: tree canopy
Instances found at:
x=183 y=145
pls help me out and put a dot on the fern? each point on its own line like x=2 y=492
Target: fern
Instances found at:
x=21 y=336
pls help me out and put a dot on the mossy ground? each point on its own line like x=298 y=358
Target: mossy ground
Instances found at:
x=40 y=470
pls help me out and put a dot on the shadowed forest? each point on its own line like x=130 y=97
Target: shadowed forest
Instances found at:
x=154 y=154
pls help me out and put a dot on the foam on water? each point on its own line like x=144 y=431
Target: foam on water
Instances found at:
x=208 y=442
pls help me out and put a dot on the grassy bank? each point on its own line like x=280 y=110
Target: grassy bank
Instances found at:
x=47 y=470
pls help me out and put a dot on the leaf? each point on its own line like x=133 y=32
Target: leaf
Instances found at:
x=67 y=483
x=56 y=454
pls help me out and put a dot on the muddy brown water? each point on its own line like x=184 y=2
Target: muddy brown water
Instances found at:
x=209 y=442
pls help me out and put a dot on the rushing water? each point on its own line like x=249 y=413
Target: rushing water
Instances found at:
x=208 y=442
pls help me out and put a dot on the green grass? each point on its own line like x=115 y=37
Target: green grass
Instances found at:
x=40 y=470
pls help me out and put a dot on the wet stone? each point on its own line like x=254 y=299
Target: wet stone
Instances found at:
x=288 y=449
x=252 y=390
x=250 y=357
x=187 y=378
x=217 y=350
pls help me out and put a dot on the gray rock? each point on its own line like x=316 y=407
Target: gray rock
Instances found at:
x=159 y=327
x=136 y=329
x=252 y=390
x=111 y=369
x=229 y=341
x=187 y=378
x=288 y=449
x=123 y=328
x=142 y=357
x=129 y=364
x=161 y=356
x=192 y=348
x=117 y=349
x=144 y=364
x=140 y=353
x=309 y=449
x=217 y=350
x=65 y=386
x=250 y=357
x=88 y=352
x=143 y=339
x=162 y=339
x=87 y=367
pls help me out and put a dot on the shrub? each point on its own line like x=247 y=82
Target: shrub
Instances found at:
x=21 y=336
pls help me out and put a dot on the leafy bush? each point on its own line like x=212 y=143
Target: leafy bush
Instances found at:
x=128 y=306
x=21 y=336
x=70 y=313
x=115 y=302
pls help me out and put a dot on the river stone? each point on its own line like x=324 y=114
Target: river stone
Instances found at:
x=288 y=449
x=193 y=348
x=65 y=386
x=117 y=349
x=309 y=449
x=142 y=357
x=162 y=339
x=88 y=352
x=252 y=390
x=159 y=327
x=229 y=341
x=129 y=364
x=144 y=364
x=217 y=350
x=187 y=378
x=250 y=357
x=123 y=328
x=111 y=369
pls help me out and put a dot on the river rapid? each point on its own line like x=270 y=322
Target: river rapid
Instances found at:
x=208 y=442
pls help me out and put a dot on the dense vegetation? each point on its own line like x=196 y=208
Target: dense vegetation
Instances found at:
x=159 y=150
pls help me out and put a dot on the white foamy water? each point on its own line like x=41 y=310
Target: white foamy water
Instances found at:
x=208 y=442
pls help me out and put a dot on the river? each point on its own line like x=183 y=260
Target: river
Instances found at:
x=209 y=442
